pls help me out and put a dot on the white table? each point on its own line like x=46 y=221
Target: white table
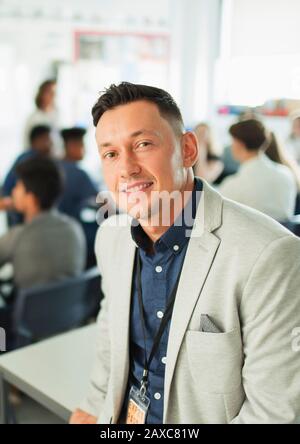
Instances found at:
x=54 y=372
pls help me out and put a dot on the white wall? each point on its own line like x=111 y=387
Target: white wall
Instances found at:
x=37 y=36
x=265 y=27
x=195 y=47
x=260 y=52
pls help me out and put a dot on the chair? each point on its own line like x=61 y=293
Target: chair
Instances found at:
x=293 y=225
x=46 y=310
x=88 y=221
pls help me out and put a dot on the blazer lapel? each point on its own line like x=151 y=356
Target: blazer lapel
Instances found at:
x=121 y=318
x=200 y=254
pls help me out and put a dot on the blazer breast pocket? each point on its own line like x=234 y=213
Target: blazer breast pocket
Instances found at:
x=215 y=360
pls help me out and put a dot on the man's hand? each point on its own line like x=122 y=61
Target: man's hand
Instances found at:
x=81 y=417
x=6 y=203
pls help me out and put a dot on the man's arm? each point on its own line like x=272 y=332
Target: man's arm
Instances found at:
x=6 y=203
x=8 y=244
x=270 y=313
x=90 y=409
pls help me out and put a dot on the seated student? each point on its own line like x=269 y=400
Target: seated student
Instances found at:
x=260 y=183
x=40 y=144
x=79 y=188
x=48 y=246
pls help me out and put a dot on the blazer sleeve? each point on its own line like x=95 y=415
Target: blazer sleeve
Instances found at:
x=270 y=314
x=94 y=401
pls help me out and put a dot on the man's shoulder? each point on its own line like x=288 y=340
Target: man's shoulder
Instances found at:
x=24 y=156
x=54 y=220
x=112 y=230
x=285 y=174
x=248 y=224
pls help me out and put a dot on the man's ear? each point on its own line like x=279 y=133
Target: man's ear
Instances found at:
x=32 y=199
x=189 y=146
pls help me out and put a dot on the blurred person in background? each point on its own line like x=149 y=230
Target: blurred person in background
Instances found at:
x=48 y=246
x=293 y=141
x=209 y=165
x=260 y=183
x=40 y=145
x=277 y=152
x=231 y=165
x=79 y=197
x=44 y=114
x=79 y=188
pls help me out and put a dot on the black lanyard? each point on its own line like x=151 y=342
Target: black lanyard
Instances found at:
x=167 y=316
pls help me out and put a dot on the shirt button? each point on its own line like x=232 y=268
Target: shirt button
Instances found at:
x=160 y=314
x=176 y=248
x=157 y=396
x=164 y=360
x=158 y=269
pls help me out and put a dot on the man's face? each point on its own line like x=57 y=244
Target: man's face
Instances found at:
x=49 y=96
x=237 y=148
x=75 y=149
x=140 y=154
x=43 y=144
x=20 y=196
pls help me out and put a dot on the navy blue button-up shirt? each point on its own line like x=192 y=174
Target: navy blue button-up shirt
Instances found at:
x=159 y=272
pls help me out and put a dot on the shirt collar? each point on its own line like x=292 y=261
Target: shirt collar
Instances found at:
x=177 y=235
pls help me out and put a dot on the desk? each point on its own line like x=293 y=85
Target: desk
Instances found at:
x=54 y=372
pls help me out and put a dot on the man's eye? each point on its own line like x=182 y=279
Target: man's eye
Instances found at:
x=109 y=155
x=143 y=144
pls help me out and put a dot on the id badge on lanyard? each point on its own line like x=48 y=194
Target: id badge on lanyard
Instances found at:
x=138 y=406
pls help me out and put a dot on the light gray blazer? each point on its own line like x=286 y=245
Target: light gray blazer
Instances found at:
x=243 y=270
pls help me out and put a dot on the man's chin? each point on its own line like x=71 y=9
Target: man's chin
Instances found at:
x=138 y=214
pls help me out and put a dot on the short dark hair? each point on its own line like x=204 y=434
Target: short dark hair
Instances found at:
x=127 y=92
x=251 y=132
x=43 y=178
x=38 y=131
x=75 y=133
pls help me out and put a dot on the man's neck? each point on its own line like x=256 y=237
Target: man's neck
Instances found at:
x=31 y=213
x=69 y=158
x=249 y=156
x=155 y=232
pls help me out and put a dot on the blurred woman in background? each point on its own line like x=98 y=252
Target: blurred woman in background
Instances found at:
x=209 y=165
x=278 y=154
x=44 y=114
x=293 y=141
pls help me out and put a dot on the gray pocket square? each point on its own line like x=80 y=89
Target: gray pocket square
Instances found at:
x=207 y=325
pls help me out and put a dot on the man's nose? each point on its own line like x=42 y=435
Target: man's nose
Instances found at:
x=129 y=166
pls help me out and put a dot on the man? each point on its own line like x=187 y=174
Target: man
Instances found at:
x=260 y=183
x=226 y=355
x=40 y=144
x=48 y=246
x=79 y=188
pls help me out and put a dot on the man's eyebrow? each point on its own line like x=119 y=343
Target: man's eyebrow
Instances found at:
x=143 y=131
x=131 y=136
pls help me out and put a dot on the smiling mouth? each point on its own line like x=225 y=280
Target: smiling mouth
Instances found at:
x=137 y=188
